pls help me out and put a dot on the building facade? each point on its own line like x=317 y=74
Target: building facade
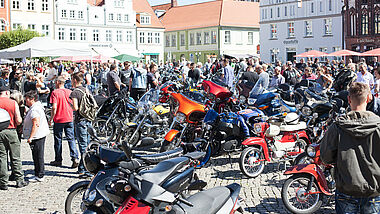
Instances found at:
x=216 y=28
x=108 y=27
x=4 y=16
x=288 y=28
x=150 y=32
x=362 y=25
x=36 y=15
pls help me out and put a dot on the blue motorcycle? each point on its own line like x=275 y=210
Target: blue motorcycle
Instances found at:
x=271 y=104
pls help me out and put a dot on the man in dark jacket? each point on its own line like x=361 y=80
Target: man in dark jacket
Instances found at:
x=352 y=144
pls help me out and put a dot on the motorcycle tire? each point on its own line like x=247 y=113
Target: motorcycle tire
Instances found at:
x=245 y=156
x=302 y=158
x=128 y=134
x=103 y=131
x=73 y=196
x=299 y=198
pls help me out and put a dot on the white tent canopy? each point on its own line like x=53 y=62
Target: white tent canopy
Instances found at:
x=43 y=47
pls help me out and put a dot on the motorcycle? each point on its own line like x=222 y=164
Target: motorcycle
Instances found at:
x=272 y=104
x=280 y=142
x=304 y=191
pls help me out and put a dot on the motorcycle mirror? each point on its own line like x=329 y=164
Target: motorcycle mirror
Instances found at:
x=315 y=115
x=126 y=149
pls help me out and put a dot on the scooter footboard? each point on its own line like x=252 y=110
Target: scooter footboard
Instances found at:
x=313 y=170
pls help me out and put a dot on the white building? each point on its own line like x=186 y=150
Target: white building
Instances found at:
x=290 y=27
x=108 y=27
x=150 y=32
x=32 y=14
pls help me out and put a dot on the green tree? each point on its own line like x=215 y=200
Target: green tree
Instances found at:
x=16 y=37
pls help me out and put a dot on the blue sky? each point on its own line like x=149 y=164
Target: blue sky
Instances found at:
x=180 y=2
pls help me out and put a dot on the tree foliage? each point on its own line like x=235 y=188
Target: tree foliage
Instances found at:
x=16 y=37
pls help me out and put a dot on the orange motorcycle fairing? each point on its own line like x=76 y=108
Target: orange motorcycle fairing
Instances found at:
x=171 y=134
x=313 y=170
x=187 y=106
x=258 y=142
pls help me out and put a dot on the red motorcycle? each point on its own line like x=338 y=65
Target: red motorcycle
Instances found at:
x=220 y=96
x=303 y=192
x=277 y=141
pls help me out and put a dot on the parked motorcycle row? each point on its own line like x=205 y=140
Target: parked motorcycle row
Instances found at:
x=193 y=122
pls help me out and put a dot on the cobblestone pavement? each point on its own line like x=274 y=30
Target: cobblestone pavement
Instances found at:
x=261 y=195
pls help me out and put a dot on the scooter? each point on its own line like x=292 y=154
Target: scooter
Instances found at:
x=304 y=191
x=280 y=143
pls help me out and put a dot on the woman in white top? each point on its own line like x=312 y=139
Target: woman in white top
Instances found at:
x=35 y=130
x=376 y=86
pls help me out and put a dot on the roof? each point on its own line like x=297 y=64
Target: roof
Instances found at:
x=210 y=14
x=95 y=2
x=162 y=7
x=142 y=6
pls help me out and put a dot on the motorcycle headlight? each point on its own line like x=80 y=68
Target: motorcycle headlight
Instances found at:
x=257 y=128
x=251 y=101
x=92 y=196
x=242 y=99
x=310 y=151
x=306 y=110
x=180 y=117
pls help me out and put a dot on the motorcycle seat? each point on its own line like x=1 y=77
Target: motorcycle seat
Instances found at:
x=157 y=158
x=111 y=155
x=211 y=200
x=164 y=170
x=291 y=128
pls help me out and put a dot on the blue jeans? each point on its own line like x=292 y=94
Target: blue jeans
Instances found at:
x=83 y=139
x=345 y=204
x=58 y=129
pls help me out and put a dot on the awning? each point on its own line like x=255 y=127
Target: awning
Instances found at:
x=150 y=54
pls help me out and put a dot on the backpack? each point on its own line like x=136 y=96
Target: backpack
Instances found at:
x=88 y=106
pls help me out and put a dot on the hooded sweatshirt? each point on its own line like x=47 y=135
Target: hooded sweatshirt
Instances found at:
x=352 y=143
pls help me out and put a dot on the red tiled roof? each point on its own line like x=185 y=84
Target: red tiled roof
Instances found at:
x=162 y=7
x=214 y=13
x=142 y=6
x=95 y=2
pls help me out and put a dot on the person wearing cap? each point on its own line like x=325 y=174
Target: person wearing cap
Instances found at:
x=62 y=115
x=9 y=141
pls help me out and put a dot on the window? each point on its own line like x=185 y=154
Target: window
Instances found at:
x=83 y=34
x=45 y=30
x=167 y=41
x=63 y=14
x=108 y=36
x=273 y=31
x=227 y=37
x=312 y=7
x=128 y=36
x=2 y=3
x=320 y=6
x=174 y=40
x=110 y=17
x=119 y=3
x=285 y=11
x=377 y=23
x=337 y=49
x=72 y=1
x=324 y=49
x=95 y=35
x=271 y=13
x=16 y=26
x=150 y=38
x=278 y=12
x=364 y=28
x=328 y=26
x=16 y=4
x=330 y=5
x=145 y=20
x=157 y=38
x=308 y=28
x=72 y=14
x=182 y=42
x=118 y=17
x=119 y=36
x=80 y=14
x=191 y=38
x=30 y=4
x=274 y=55
x=364 y=1
x=126 y=18
x=72 y=34
x=31 y=26
x=61 y=33
x=308 y=49
x=199 y=38
x=142 y=37
x=2 y=25
x=206 y=38
x=290 y=29
x=45 y=5
x=213 y=37
x=250 y=38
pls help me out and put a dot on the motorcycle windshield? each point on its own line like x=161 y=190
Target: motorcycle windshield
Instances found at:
x=265 y=98
x=148 y=99
x=210 y=116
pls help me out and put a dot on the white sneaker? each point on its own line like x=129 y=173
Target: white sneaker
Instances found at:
x=35 y=179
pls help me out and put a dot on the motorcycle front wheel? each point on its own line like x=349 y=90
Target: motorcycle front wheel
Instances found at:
x=252 y=162
x=105 y=131
x=128 y=136
x=296 y=198
x=303 y=158
x=73 y=203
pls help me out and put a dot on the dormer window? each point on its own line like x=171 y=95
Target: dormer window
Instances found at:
x=145 y=20
x=118 y=3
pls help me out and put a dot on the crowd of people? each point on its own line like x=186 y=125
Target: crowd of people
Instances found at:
x=27 y=89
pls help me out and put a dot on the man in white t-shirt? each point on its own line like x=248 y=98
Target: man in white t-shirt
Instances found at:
x=364 y=76
x=52 y=72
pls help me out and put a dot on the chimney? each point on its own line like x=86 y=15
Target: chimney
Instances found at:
x=174 y=3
